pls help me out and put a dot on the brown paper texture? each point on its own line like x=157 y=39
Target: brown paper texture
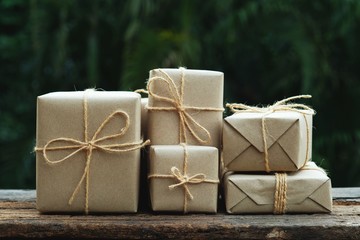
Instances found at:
x=201 y=89
x=308 y=191
x=114 y=177
x=201 y=159
x=243 y=147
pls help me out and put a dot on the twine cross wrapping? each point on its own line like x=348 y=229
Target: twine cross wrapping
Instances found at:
x=183 y=180
x=89 y=145
x=280 y=196
x=176 y=99
x=282 y=105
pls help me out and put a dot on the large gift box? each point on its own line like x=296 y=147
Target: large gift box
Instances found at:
x=277 y=139
x=87 y=153
x=183 y=178
x=185 y=106
x=306 y=191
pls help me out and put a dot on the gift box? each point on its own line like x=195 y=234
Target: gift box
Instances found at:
x=185 y=106
x=183 y=178
x=87 y=152
x=266 y=139
x=305 y=191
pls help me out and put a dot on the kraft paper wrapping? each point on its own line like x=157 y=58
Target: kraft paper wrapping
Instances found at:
x=308 y=191
x=201 y=89
x=289 y=139
x=113 y=178
x=201 y=159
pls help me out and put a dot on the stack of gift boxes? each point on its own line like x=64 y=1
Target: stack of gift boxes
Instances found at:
x=267 y=160
x=184 y=125
x=88 y=150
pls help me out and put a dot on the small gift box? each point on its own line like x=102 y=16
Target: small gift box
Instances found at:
x=183 y=178
x=275 y=138
x=185 y=106
x=305 y=191
x=87 y=152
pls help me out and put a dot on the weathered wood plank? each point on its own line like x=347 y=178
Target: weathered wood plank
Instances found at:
x=346 y=193
x=17 y=195
x=30 y=195
x=28 y=223
x=346 y=196
x=19 y=218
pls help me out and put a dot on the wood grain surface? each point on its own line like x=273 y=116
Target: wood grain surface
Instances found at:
x=20 y=219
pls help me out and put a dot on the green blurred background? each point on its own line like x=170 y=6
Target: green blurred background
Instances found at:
x=267 y=49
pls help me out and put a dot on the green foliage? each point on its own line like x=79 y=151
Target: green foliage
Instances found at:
x=268 y=50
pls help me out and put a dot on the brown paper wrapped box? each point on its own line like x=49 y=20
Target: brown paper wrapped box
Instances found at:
x=169 y=190
x=113 y=177
x=200 y=106
x=307 y=191
x=288 y=135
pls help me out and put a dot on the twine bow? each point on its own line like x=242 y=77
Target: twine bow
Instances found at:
x=176 y=99
x=282 y=105
x=183 y=179
x=89 y=145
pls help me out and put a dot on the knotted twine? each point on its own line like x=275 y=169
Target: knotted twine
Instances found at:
x=281 y=188
x=282 y=105
x=89 y=145
x=176 y=100
x=183 y=180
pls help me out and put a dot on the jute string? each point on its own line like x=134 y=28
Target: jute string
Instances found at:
x=183 y=180
x=282 y=105
x=176 y=99
x=280 y=193
x=308 y=166
x=141 y=91
x=281 y=188
x=89 y=145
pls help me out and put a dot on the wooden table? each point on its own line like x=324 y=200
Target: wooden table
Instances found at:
x=20 y=219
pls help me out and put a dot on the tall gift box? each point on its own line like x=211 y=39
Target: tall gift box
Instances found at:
x=183 y=178
x=305 y=191
x=185 y=106
x=275 y=138
x=87 y=152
